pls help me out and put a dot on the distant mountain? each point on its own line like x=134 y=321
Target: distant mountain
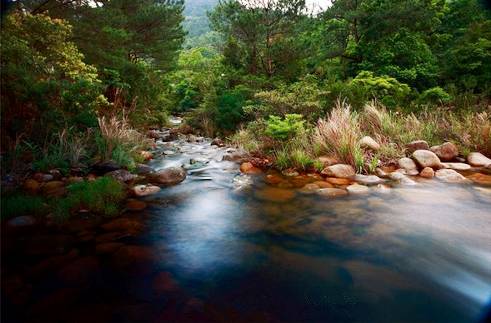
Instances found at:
x=196 y=23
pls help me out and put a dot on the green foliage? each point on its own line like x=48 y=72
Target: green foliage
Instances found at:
x=230 y=104
x=100 y=197
x=435 y=95
x=18 y=205
x=283 y=129
x=385 y=88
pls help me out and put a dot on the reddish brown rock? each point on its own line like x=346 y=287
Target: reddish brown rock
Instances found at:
x=273 y=179
x=324 y=184
x=338 y=181
x=480 y=179
x=417 y=145
x=53 y=189
x=446 y=152
x=339 y=171
x=135 y=205
x=32 y=186
x=274 y=194
x=427 y=172
x=249 y=168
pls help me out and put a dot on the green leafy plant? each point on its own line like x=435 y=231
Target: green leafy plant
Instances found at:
x=283 y=129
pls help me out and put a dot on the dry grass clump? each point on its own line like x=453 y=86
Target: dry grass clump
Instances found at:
x=338 y=135
x=118 y=134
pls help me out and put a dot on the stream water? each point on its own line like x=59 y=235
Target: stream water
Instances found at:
x=237 y=251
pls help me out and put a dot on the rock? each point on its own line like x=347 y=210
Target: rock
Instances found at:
x=91 y=177
x=383 y=189
x=368 y=179
x=145 y=190
x=123 y=224
x=309 y=188
x=427 y=172
x=56 y=174
x=105 y=167
x=339 y=171
x=54 y=189
x=446 y=152
x=426 y=158
x=164 y=283
x=290 y=172
x=154 y=134
x=480 y=178
x=40 y=177
x=142 y=169
x=416 y=145
x=332 y=192
x=275 y=194
x=328 y=161
x=169 y=176
x=146 y=155
x=408 y=165
x=338 y=181
x=478 y=160
x=107 y=247
x=357 y=189
x=323 y=184
x=368 y=142
x=273 y=179
x=21 y=221
x=236 y=156
x=457 y=166
x=217 y=142
x=80 y=272
x=32 y=186
x=403 y=179
x=381 y=173
x=74 y=179
x=450 y=176
x=248 y=168
x=135 y=205
x=169 y=152
x=121 y=175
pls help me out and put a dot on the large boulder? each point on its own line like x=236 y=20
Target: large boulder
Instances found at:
x=339 y=171
x=450 y=176
x=169 y=176
x=416 y=145
x=446 y=152
x=368 y=142
x=426 y=158
x=478 y=160
x=408 y=165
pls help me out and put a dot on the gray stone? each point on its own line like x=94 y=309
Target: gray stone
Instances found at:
x=368 y=179
x=169 y=176
x=339 y=170
x=450 y=176
x=426 y=158
x=478 y=160
x=368 y=142
x=409 y=166
x=416 y=145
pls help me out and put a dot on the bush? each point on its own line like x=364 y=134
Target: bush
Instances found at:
x=229 y=107
x=283 y=129
x=435 y=95
x=100 y=197
x=18 y=205
x=387 y=89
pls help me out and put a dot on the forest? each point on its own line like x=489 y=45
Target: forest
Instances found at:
x=97 y=96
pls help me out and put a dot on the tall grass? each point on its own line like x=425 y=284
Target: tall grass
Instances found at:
x=339 y=133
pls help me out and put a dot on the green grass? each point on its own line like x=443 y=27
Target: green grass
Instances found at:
x=18 y=205
x=100 y=197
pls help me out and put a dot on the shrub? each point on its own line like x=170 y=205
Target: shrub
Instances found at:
x=387 y=89
x=283 y=129
x=17 y=205
x=101 y=197
x=230 y=107
x=435 y=95
x=339 y=133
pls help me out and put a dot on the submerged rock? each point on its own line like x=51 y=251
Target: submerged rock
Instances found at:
x=275 y=194
x=310 y=188
x=368 y=142
x=408 y=165
x=135 y=205
x=403 y=179
x=478 y=160
x=357 y=189
x=416 y=145
x=479 y=178
x=249 y=168
x=332 y=192
x=339 y=171
x=338 y=181
x=168 y=176
x=426 y=158
x=446 y=152
x=290 y=172
x=450 y=176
